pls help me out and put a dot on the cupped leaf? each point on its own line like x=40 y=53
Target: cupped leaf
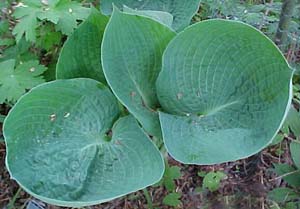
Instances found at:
x=61 y=150
x=182 y=11
x=160 y=16
x=225 y=89
x=131 y=53
x=80 y=55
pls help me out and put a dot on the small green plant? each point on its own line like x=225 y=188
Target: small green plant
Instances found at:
x=288 y=197
x=292 y=123
x=171 y=173
x=172 y=199
x=63 y=13
x=38 y=32
x=212 y=180
x=15 y=81
x=208 y=92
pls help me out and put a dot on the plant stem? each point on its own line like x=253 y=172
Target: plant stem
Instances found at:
x=148 y=198
x=284 y=22
x=13 y=200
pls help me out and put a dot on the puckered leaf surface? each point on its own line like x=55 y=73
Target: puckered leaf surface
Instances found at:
x=59 y=148
x=131 y=53
x=80 y=55
x=182 y=11
x=224 y=88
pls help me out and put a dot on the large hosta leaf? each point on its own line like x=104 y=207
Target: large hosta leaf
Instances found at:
x=182 y=11
x=80 y=55
x=59 y=148
x=225 y=89
x=132 y=48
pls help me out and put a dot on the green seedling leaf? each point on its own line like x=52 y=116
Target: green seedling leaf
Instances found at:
x=131 y=53
x=288 y=173
x=279 y=151
x=212 y=180
x=16 y=80
x=20 y=52
x=201 y=174
x=217 y=104
x=26 y=12
x=293 y=121
x=199 y=190
x=65 y=148
x=63 y=13
x=295 y=153
x=171 y=173
x=291 y=205
x=4 y=27
x=282 y=194
x=80 y=55
x=7 y=42
x=277 y=139
x=47 y=37
x=182 y=11
x=6 y=38
x=172 y=199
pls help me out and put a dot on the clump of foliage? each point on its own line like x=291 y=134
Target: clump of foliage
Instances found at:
x=63 y=13
x=206 y=91
x=171 y=173
x=264 y=15
x=15 y=81
x=288 y=197
x=39 y=29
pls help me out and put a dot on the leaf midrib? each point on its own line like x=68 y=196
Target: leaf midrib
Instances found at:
x=219 y=108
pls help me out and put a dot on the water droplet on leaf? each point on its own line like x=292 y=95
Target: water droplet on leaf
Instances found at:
x=67 y=114
x=52 y=117
x=179 y=96
x=132 y=94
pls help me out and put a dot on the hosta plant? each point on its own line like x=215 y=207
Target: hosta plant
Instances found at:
x=218 y=91
x=180 y=11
